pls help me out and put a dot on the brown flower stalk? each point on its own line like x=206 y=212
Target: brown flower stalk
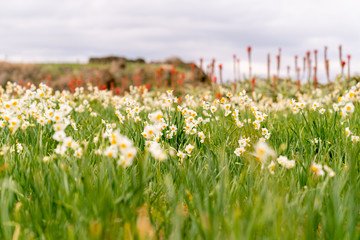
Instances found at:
x=220 y=74
x=304 y=66
x=326 y=64
x=278 y=57
x=288 y=71
x=298 y=78
x=308 y=65
x=315 y=77
x=340 y=58
x=315 y=68
x=249 y=57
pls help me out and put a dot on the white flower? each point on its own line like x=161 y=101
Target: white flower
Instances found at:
x=111 y=151
x=349 y=107
x=14 y=124
x=157 y=152
x=347 y=131
x=19 y=147
x=78 y=153
x=329 y=171
x=60 y=149
x=125 y=162
x=314 y=106
x=156 y=116
x=282 y=160
x=285 y=162
x=296 y=110
x=68 y=141
x=73 y=125
x=124 y=143
x=189 y=148
x=130 y=153
x=355 y=138
x=271 y=167
x=239 y=151
x=59 y=136
x=213 y=109
x=180 y=154
x=201 y=135
x=263 y=151
x=289 y=164
x=264 y=131
x=317 y=169
x=59 y=126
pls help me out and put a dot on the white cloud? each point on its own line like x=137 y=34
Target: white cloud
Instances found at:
x=70 y=30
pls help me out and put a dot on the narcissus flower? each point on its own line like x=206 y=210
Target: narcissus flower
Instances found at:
x=355 y=138
x=349 y=108
x=285 y=162
x=180 y=154
x=239 y=151
x=271 y=167
x=189 y=148
x=317 y=169
x=263 y=151
x=347 y=131
x=329 y=171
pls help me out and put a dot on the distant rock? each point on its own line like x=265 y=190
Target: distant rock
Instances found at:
x=117 y=65
x=175 y=61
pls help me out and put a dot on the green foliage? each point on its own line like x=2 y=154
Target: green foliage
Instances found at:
x=211 y=195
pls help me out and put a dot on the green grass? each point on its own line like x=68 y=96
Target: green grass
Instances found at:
x=212 y=195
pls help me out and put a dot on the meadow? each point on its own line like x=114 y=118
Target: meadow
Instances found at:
x=203 y=163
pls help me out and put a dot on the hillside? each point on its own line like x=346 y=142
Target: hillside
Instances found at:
x=109 y=72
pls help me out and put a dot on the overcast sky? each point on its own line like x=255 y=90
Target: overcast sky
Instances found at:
x=69 y=30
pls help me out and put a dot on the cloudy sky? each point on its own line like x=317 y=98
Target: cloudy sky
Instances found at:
x=69 y=30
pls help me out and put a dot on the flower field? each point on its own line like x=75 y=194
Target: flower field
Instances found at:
x=200 y=164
